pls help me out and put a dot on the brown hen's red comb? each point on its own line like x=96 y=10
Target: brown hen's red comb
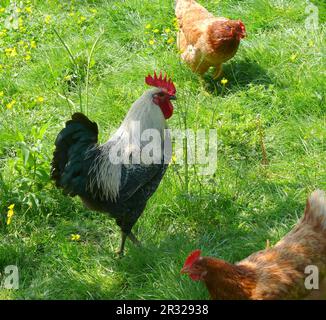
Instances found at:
x=161 y=82
x=192 y=257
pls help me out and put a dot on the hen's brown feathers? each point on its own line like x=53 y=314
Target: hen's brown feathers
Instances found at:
x=278 y=272
x=206 y=40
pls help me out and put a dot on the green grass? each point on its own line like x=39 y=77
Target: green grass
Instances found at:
x=278 y=73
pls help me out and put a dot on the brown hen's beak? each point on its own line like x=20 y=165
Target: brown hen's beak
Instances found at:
x=185 y=270
x=173 y=98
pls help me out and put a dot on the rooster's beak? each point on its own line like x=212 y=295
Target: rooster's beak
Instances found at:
x=173 y=98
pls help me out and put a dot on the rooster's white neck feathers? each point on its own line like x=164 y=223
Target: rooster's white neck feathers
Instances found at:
x=143 y=115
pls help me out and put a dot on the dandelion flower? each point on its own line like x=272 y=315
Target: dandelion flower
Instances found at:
x=293 y=57
x=33 y=44
x=71 y=14
x=2 y=10
x=28 y=57
x=3 y=32
x=10 y=104
x=224 y=81
x=170 y=40
x=10 y=213
x=75 y=237
x=151 y=42
x=167 y=30
x=11 y=52
x=156 y=30
x=47 y=19
x=148 y=26
x=39 y=100
x=81 y=19
x=67 y=78
x=28 y=9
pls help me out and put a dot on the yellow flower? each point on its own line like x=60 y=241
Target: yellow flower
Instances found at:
x=22 y=29
x=92 y=10
x=68 y=77
x=1 y=94
x=33 y=44
x=293 y=57
x=28 y=57
x=167 y=30
x=311 y=43
x=156 y=30
x=20 y=21
x=151 y=42
x=71 y=14
x=148 y=26
x=28 y=9
x=75 y=237
x=10 y=104
x=11 y=52
x=170 y=40
x=81 y=19
x=39 y=99
x=18 y=10
x=47 y=19
x=224 y=81
x=3 y=32
x=10 y=213
x=2 y=10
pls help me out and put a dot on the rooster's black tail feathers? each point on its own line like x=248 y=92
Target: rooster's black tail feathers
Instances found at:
x=70 y=164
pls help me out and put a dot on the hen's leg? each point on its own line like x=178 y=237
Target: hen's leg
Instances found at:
x=201 y=68
x=218 y=71
x=181 y=41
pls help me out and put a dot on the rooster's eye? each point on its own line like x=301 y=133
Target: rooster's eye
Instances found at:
x=161 y=94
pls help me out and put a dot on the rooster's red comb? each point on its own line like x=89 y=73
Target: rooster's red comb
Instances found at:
x=193 y=256
x=161 y=82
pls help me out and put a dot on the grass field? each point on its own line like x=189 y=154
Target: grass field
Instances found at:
x=275 y=96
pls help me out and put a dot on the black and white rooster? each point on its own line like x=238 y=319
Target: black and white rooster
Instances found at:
x=100 y=174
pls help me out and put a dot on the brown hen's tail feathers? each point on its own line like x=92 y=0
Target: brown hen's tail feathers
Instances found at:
x=315 y=211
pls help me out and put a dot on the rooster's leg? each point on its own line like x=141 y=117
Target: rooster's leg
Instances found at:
x=123 y=242
x=124 y=236
x=133 y=238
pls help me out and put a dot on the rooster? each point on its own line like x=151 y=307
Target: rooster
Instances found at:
x=204 y=40
x=111 y=177
x=275 y=273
